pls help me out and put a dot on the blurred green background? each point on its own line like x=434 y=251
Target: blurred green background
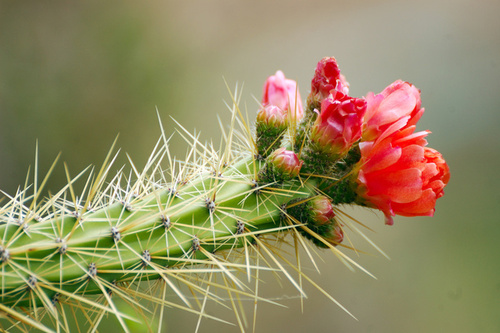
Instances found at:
x=74 y=75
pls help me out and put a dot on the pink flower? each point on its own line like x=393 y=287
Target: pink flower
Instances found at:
x=395 y=108
x=321 y=209
x=282 y=92
x=271 y=115
x=326 y=78
x=398 y=175
x=285 y=162
x=339 y=123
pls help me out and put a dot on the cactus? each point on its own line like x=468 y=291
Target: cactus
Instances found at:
x=205 y=225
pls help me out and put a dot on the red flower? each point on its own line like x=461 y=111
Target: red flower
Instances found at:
x=339 y=123
x=398 y=175
x=282 y=92
x=395 y=108
x=326 y=78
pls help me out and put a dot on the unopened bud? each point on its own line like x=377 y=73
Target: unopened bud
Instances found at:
x=321 y=210
x=318 y=217
x=281 y=165
x=285 y=162
x=335 y=234
x=282 y=92
x=339 y=124
x=326 y=78
x=270 y=127
x=272 y=115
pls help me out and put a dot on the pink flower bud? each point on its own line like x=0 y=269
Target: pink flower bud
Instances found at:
x=335 y=235
x=398 y=175
x=339 y=123
x=271 y=115
x=282 y=92
x=285 y=162
x=395 y=108
x=326 y=78
x=321 y=210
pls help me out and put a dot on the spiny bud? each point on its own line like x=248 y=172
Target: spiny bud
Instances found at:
x=271 y=115
x=271 y=125
x=281 y=107
x=335 y=234
x=280 y=166
x=318 y=216
x=286 y=162
x=321 y=210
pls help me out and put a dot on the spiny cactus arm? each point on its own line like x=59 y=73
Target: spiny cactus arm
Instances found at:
x=166 y=228
x=197 y=226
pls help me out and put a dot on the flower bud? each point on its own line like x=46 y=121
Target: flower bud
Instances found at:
x=270 y=127
x=318 y=218
x=335 y=234
x=326 y=78
x=282 y=92
x=273 y=116
x=339 y=124
x=285 y=163
x=321 y=210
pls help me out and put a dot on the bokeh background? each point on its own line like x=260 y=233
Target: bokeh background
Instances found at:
x=74 y=75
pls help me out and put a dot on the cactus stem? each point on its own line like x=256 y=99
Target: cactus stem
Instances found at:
x=176 y=229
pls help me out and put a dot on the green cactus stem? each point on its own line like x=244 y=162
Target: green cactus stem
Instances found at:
x=89 y=251
x=122 y=240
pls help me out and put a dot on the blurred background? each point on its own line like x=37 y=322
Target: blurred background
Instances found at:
x=74 y=75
